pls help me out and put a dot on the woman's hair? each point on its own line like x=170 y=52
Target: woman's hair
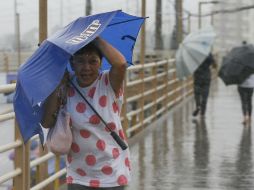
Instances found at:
x=88 y=48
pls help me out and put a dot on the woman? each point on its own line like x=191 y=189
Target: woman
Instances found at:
x=245 y=90
x=95 y=160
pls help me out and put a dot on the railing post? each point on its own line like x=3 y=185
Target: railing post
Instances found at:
x=43 y=32
x=183 y=82
x=176 y=84
x=22 y=161
x=6 y=63
x=124 y=108
x=43 y=20
x=141 y=102
x=166 y=101
x=142 y=61
x=171 y=96
x=57 y=168
x=154 y=85
x=43 y=168
x=26 y=163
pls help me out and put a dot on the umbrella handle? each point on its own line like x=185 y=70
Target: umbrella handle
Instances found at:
x=118 y=140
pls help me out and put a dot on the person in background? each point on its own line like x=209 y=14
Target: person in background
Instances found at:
x=245 y=90
x=202 y=80
x=95 y=160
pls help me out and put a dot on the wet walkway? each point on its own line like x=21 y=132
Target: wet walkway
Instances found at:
x=179 y=153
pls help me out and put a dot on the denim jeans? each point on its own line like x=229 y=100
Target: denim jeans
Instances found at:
x=82 y=187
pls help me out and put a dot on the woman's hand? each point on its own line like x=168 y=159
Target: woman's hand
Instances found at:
x=116 y=59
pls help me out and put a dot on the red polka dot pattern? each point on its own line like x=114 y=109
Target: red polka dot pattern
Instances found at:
x=81 y=172
x=115 y=107
x=75 y=147
x=86 y=124
x=91 y=92
x=103 y=101
x=90 y=160
x=85 y=133
x=71 y=92
x=81 y=107
x=101 y=145
x=107 y=170
x=94 y=119
x=94 y=183
x=111 y=125
x=122 y=135
x=127 y=163
x=115 y=153
x=122 y=180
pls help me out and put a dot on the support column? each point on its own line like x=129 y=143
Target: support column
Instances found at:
x=43 y=20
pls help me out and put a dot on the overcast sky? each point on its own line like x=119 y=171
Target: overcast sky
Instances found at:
x=28 y=10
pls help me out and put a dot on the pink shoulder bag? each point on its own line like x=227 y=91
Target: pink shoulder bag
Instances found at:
x=59 y=138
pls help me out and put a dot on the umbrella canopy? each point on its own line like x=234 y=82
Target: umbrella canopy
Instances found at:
x=42 y=72
x=193 y=51
x=237 y=65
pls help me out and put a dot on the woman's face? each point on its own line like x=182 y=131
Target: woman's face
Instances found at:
x=86 y=67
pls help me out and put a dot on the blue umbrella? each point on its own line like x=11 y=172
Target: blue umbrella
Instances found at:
x=42 y=72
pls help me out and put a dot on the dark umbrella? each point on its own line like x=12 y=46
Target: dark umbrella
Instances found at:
x=237 y=65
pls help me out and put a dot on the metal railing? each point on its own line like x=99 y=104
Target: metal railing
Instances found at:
x=150 y=91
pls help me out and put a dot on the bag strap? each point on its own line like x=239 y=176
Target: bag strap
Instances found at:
x=119 y=141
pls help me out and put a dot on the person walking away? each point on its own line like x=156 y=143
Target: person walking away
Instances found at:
x=95 y=161
x=245 y=90
x=202 y=80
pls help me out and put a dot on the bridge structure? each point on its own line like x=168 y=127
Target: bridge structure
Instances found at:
x=170 y=149
x=151 y=90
